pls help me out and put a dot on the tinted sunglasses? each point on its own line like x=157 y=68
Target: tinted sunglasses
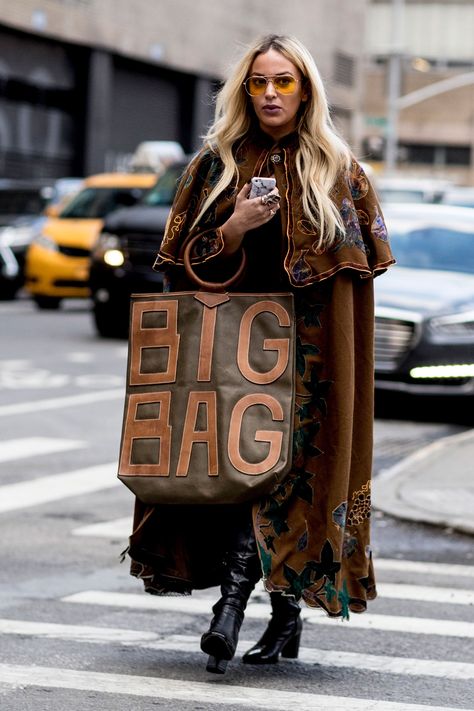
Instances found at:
x=282 y=83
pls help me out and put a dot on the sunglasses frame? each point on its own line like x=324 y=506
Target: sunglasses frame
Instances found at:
x=271 y=78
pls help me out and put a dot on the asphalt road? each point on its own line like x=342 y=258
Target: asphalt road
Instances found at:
x=78 y=633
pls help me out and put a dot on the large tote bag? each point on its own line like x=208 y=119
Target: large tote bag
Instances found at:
x=210 y=395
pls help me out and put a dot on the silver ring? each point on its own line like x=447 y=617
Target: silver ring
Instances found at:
x=272 y=212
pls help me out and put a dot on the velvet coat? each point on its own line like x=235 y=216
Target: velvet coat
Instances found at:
x=313 y=531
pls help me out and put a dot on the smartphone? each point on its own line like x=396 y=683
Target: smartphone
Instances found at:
x=261 y=186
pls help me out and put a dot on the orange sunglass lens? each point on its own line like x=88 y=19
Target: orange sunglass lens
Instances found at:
x=283 y=84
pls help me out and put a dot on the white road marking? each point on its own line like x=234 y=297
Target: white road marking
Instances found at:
x=423 y=567
x=423 y=593
x=118 y=528
x=16 y=308
x=76 y=633
x=98 y=380
x=187 y=644
x=13 y=364
x=58 y=403
x=192 y=606
x=80 y=357
x=121 y=352
x=34 y=446
x=209 y=692
x=35 y=492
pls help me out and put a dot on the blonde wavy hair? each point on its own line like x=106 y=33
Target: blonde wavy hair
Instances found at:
x=321 y=154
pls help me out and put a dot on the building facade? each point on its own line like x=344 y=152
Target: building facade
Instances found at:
x=435 y=135
x=82 y=82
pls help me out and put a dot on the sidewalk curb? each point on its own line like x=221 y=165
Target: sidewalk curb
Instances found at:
x=391 y=488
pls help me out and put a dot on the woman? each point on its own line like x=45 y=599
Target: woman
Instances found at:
x=324 y=240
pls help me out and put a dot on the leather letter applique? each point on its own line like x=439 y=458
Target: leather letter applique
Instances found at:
x=210 y=396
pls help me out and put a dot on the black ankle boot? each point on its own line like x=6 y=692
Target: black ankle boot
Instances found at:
x=220 y=641
x=282 y=635
x=241 y=573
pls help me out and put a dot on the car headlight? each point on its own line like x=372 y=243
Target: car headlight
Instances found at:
x=108 y=249
x=46 y=242
x=113 y=257
x=455 y=327
x=107 y=240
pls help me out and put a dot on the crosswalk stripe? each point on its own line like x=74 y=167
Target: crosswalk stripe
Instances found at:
x=58 y=403
x=423 y=593
x=24 y=447
x=121 y=528
x=45 y=489
x=424 y=567
x=210 y=692
x=188 y=644
x=76 y=633
x=188 y=606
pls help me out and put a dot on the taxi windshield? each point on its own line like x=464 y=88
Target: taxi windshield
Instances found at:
x=96 y=203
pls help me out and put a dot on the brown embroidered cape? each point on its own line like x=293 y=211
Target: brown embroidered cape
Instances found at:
x=313 y=531
x=363 y=248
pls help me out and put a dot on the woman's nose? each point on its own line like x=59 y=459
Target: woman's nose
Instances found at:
x=270 y=89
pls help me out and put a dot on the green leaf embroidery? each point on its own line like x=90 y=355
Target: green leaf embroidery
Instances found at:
x=330 y=591
x=300 y=485
x=344 y=599
x=266 y=559
x=301 y=352
x=319 y=389
x=268 y=540
x=311 y=314
x=277 y=514
x=297 y=582
x=327 y=566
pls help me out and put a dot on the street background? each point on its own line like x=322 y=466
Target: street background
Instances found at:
x=82 y=84
x=67 y=603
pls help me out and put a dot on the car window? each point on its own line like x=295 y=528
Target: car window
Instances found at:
x=22 y=202
x=165 y=189
x=434 y=248
x=98 y=202
x=393 y=195
x=459 y=201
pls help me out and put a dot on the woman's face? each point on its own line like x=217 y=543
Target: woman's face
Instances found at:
x=276 y=112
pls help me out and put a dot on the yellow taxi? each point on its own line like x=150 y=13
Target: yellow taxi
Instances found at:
x=57 y=261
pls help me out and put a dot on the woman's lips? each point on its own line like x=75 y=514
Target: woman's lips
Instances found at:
x=271 y=109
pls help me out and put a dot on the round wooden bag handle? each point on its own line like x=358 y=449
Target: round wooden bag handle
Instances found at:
x=209 y=285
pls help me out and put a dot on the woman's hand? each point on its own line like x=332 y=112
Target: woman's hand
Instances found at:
x=248 y=215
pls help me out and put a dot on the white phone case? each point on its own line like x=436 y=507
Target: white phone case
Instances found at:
x=261 y=186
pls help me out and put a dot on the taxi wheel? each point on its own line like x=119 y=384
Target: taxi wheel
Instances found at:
x=49 y=303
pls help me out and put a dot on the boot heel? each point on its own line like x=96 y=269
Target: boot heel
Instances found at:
x=216 y=665
x=292 y=647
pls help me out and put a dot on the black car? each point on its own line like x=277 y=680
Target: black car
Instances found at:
x=122 y=259
x=424 y=329
x=21 y=213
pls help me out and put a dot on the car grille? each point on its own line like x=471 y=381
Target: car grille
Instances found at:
x=70 y=283
x=74 y=251
x=393 y=340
